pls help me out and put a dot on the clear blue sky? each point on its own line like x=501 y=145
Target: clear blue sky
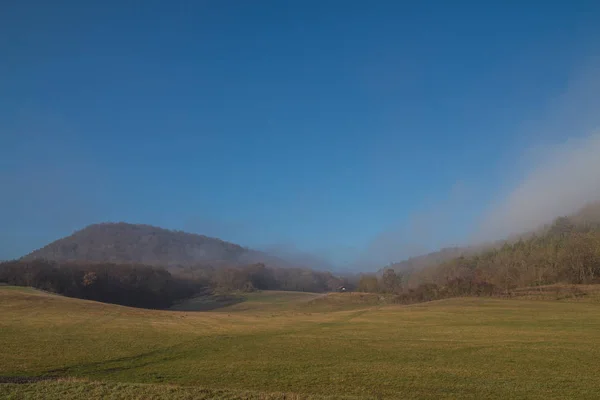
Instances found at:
x=322 y=124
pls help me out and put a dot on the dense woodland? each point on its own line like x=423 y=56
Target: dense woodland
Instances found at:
x=155 y=287
x=123 y=243
x=130 y=285
x=567 y=251
x=226 y=277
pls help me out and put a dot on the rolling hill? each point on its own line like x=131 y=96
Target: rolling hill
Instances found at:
x=282 y=346
x=149 y=245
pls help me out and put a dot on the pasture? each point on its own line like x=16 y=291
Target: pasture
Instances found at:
x=298 y=345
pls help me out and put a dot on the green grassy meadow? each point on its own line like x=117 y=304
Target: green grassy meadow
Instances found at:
x=272 y=300
x=285 y=345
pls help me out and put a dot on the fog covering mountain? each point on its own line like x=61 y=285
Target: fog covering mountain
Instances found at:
x=587 y=217
x=149 y=245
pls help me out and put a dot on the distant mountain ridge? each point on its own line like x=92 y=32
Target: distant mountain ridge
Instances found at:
x=150 y=245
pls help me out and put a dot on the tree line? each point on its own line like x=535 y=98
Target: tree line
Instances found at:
x=125 y=284
x=258 y=276
x=567 y=251
x=154 y=287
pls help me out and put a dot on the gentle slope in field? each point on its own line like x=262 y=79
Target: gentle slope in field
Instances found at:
x=468 y=348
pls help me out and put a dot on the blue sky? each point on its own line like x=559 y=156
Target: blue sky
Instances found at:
x=339 y=128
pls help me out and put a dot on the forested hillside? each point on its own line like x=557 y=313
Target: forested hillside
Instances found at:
x=427 y=260
x=146 y=266
x=566 y=251
x=148 y=245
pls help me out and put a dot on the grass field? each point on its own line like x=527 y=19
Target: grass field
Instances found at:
x=255 y=301
x=296 y=345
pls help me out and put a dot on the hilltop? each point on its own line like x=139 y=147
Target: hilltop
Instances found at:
x=147 y=266
x=148 y=245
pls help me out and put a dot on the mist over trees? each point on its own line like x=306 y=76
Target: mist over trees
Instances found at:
x=146 y=266
x=155 y=287
x=124 y=243
x=566 y=251
x=259 y=276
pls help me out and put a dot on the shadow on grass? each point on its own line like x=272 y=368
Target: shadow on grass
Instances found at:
x=208 y=302
x=156 y=356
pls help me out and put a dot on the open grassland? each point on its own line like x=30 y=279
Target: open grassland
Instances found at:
x=321 y=347
x=272 y=300
x=72 y=389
